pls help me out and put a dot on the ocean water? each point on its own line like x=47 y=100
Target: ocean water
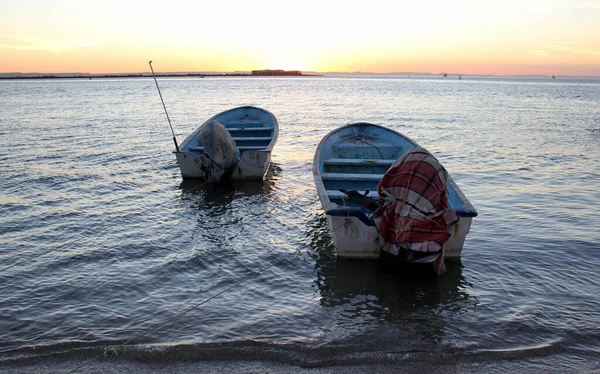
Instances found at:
x=102 y=244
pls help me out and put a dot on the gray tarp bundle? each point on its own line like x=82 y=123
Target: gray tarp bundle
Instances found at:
x=220 y=151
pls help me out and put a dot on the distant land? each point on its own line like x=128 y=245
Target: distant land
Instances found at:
x=264 y=73
x=253 y=73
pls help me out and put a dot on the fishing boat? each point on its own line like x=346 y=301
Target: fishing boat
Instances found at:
x=252 y=132
x=350 y=167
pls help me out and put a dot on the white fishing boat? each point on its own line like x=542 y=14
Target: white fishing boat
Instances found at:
x=234 y=144
x=254 y=132
x=348 y=167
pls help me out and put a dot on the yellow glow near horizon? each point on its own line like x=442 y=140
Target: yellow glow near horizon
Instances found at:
x=466 y=36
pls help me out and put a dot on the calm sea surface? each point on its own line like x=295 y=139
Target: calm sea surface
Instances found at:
x=101 y=244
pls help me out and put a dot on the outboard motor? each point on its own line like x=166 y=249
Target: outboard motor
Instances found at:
x=412 y=213
x=415 y=221
x=220 y=155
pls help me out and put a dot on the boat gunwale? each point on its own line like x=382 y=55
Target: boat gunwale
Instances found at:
x=267 y=148
x=466 y=210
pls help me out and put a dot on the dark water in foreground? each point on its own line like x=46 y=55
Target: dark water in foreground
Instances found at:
x=101 y=244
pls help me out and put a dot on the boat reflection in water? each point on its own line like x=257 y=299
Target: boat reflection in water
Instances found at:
x=215 y=192
x=218 y=212
x=386 y=298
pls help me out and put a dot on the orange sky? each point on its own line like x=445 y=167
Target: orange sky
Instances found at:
x=553 y=37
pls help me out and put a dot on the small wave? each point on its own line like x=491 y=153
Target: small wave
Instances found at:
x=260 y=356
x=542 y=349
x=328 y=355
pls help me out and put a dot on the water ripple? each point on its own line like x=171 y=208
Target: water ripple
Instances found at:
x=111 y=244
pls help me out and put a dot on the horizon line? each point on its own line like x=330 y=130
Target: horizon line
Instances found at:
x=303 y=72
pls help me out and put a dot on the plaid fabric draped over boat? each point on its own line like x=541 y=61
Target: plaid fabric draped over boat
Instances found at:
x=419 y=217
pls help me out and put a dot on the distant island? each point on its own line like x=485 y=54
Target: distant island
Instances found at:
x=254 y=73
x=269 y=73
x=276 y=72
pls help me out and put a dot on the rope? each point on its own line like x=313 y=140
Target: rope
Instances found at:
x=83 y=237
x=360 y=139
x=387 y=198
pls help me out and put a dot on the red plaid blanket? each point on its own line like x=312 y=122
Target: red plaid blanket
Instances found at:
x=417 y=216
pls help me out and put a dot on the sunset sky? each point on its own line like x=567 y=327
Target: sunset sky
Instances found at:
x=553 y=37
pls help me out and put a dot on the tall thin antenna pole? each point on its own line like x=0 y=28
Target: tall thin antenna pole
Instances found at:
x=163 y=103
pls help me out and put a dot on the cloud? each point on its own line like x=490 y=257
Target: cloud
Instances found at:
x=572 y=48
x=581 y=4
x=562 y=5
x=537 y=52
x=14 y=43
x=565 y=47
x=37 y=43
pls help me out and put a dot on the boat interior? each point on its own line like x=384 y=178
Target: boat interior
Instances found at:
x=250 y=132
x=358 y=163
x=358 y=160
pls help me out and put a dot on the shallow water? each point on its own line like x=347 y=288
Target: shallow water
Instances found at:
x=102 y=244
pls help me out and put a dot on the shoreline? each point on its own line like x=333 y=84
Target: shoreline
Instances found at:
x=117 y=365
x=164 y=75
x=142 y=366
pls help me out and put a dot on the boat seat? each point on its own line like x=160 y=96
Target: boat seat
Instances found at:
x=244 y=123
x=336 y=194
x=359 y=161
x=241 y=148
x=352 y=177
x=235 y=129
x=254 y=139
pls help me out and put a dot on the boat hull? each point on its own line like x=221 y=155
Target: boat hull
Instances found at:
x=355 y=157
x=252 y=165
x=353 y=239
x=255 y=132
